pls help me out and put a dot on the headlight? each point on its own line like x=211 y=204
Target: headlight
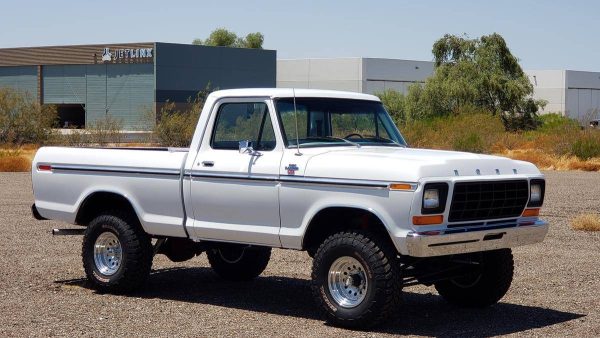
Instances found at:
x=434 y=198
x=536 y=193
x=431 y=199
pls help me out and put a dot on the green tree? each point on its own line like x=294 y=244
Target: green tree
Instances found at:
x=226 y=38
x=472 y=75
x=481 y=73
x=254 y=40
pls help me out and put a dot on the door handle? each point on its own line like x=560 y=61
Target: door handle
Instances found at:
x=208 y=164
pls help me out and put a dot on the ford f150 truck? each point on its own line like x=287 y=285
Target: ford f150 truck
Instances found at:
x=322 y=171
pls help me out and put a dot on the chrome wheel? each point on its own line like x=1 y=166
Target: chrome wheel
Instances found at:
x=347 y=282
x=108 y=253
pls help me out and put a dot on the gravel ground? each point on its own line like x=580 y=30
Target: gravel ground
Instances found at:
x=556 y=291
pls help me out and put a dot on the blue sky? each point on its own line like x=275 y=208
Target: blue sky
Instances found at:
x=543 y=34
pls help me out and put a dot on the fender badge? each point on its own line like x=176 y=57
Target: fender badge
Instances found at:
x=291 y=169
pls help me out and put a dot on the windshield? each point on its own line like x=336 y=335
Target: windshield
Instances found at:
x=336 y=122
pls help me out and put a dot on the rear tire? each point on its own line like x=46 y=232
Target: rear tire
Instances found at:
x=482 y=288
x=356 y=279
x=116 y=253
x=238 y=262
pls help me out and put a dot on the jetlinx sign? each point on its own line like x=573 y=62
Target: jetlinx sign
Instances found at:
x=126 y=54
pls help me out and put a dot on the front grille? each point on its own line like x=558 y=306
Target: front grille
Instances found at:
x=488 y=200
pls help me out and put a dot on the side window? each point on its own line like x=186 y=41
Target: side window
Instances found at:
x=237 y=122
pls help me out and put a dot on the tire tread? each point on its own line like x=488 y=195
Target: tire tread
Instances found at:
x=137 y=257
x=377 y=252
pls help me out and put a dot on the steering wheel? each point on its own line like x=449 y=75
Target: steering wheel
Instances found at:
x=353 y=134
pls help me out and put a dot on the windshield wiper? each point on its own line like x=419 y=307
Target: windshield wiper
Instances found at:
x=342 y=139
x=329 y=138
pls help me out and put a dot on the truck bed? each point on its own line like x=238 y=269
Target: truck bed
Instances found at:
x=63 y=177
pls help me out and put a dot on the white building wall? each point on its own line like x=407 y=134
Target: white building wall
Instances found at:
x=575 y=94
x=365 y=75
x=549 y=85
x=337 y=74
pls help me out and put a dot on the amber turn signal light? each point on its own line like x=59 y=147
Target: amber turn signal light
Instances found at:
x=531 y=212
x=400 y=186
x=428 y=220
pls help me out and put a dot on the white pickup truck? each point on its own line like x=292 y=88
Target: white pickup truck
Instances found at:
x=322 y=171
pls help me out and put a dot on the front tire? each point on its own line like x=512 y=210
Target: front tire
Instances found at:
x=238 y=262
x=116 y=253
x=485 y=286
x=355 y=279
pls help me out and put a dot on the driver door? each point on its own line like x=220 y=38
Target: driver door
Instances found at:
x=234 y=194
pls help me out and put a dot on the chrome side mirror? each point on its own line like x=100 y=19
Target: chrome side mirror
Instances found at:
x=246 y=147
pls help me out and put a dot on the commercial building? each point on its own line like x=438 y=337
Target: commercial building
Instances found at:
x=127 y=81
x=364 y=75
x=575 y=94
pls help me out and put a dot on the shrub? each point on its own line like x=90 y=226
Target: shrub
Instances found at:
x=22 y=120
x=468 y=131
x=105 y=131
x=470 y=142
x=175 y=125
x=586 y=147
x=100 y=132
x=553 y=122
x=523 y=116
x=393 y=101
x=586 y=222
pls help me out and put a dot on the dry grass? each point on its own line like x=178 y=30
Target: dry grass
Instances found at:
x=586 y=222
x=552 y=162
x=14 y=162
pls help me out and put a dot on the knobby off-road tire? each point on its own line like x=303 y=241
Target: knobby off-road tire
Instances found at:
x=116 y=253
x=356 y=279
x=237 y=262
x=484 y=288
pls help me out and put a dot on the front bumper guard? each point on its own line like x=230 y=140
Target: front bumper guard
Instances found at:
x=422 y=245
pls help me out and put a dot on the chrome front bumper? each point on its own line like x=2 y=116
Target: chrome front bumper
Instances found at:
x=420 y=245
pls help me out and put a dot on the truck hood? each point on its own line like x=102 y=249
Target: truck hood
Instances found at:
x=409 y=165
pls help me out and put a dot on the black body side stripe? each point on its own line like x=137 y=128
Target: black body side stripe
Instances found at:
x=165 y=172
x=296 y=180
x=177 y=173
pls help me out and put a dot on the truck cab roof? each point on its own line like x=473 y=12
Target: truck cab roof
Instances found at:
x=289 y=92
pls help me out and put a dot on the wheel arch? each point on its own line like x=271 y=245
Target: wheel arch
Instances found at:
x=331 y=219
x=100 y=201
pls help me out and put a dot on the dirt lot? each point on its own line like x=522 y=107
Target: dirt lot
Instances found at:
x=556 y=290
